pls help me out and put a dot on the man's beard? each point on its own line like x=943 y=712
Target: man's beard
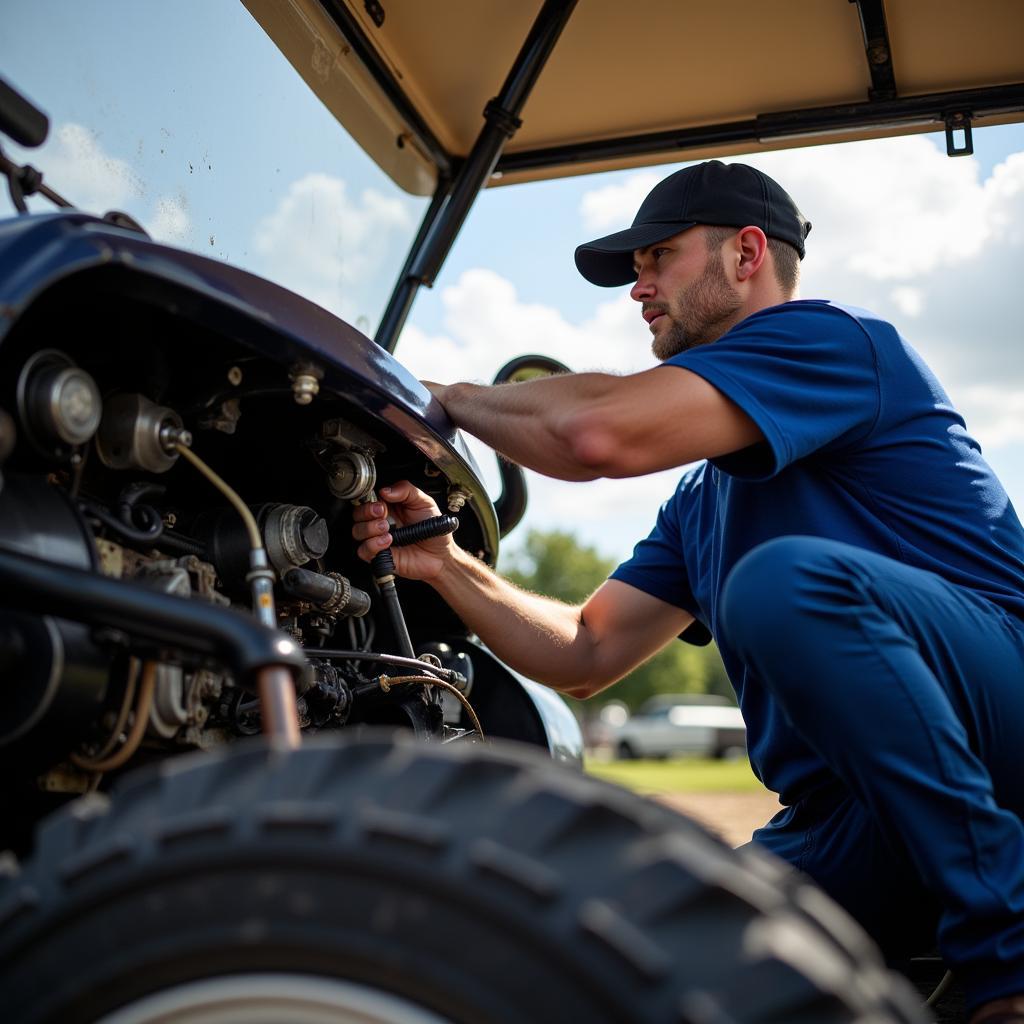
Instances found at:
x=706 y=309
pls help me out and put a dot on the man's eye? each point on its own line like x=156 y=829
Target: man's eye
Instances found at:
x=658 y=253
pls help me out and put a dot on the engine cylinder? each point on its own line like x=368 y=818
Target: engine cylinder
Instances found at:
x=55 y=675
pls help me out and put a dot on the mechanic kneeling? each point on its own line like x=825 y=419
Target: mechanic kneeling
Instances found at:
x=843 y=540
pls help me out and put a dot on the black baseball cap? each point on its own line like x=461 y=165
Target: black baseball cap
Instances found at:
x=734 y=195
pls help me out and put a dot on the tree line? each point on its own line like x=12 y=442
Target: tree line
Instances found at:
x=556 y=564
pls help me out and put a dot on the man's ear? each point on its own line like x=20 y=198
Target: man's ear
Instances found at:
x=751 y=247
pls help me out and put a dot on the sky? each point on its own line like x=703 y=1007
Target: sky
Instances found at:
x=194 y=124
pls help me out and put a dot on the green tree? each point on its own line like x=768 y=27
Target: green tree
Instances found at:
x=556 y=564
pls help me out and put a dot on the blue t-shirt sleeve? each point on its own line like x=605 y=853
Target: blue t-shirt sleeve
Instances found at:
x=657 y=567
x=804 y=372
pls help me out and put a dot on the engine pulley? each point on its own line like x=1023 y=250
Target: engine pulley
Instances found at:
x=58 y=402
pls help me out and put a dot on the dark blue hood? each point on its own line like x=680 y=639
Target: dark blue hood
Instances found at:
x=39 y=251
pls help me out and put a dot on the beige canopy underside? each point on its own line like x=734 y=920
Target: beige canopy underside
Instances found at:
x=622 y=68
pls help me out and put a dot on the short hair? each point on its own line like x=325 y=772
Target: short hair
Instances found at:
x=785 y=258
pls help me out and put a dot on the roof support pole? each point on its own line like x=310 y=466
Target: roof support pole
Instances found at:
x=877 y=49
x=446 y=215
x=408 y=284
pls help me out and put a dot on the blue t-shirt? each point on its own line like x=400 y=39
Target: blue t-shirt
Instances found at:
x=862 y=445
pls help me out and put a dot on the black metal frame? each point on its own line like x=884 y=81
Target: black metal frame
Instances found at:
x=877 y=49
x=354 y=35
x=953 y=111
x=935 y=108
x=454 y=197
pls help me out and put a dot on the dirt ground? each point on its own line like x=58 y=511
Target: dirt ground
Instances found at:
x=733 y=816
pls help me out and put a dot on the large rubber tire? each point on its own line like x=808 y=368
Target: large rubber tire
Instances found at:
x=483 y=885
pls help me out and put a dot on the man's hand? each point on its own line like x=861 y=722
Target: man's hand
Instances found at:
x=406 y=504
x=437 y=390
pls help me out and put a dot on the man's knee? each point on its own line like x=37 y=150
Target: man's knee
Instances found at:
x=775 y=590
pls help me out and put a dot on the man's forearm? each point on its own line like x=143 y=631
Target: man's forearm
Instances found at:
x=530 y=423
x=541 y=638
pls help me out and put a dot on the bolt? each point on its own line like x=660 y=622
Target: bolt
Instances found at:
x=304 y=387
x=457 y=497
x=171 y=436
x=235 y=376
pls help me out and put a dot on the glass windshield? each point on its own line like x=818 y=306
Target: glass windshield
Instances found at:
x=186 y=116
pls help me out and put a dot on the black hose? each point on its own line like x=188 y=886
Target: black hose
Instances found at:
x=383 y=566
x=126 y=531
x=186 y=545
x=437 y=526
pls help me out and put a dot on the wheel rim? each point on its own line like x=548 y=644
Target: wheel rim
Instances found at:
x=272 y=999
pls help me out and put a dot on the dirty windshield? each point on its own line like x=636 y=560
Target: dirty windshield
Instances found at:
x=186 y=116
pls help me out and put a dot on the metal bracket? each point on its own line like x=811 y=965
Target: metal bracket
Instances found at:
x=960 y=121
x=504 y=120
x=375 y=10
x=877 y=49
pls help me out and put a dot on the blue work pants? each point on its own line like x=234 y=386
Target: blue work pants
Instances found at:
x=911 y=691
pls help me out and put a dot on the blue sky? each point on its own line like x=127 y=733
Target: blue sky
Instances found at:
x=186 y=116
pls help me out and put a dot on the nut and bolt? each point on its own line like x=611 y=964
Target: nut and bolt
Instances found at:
x=304 y=387
x=171 y=436
x=457 y=497
x=305 y=383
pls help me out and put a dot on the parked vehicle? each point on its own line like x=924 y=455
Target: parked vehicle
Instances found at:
x=181 y=443
x=702 y=726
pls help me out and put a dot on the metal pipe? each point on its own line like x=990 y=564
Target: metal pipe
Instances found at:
x=277 y=706
x=159 y=621
x=441 y=225
x=407 y=285
x=502 y=115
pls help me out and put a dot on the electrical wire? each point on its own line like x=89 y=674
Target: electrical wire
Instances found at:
x=397 y=660
x=255 y=539
x=940 y=989
x=385 y=682
x=134 y=738
x=80 y=760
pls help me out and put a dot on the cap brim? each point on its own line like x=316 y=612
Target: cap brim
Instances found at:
x=608 y=261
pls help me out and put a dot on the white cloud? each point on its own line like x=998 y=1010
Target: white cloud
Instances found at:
x=486 y=324
x=893 y=210
x=908 y=300
x=170 y=221
x=996 y=415
x=613 y=207
x=326 y=245
x=77 y=167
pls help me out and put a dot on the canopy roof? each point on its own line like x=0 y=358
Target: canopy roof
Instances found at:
x=663 y=80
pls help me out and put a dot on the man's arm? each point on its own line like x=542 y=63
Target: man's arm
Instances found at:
x=576 y=649
x=582 y=426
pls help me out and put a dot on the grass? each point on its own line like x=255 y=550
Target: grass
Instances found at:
x=683 y=775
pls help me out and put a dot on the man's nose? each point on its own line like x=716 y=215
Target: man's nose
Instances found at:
x=643 y=290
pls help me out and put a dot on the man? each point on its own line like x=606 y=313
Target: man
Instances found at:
x=845 y=543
